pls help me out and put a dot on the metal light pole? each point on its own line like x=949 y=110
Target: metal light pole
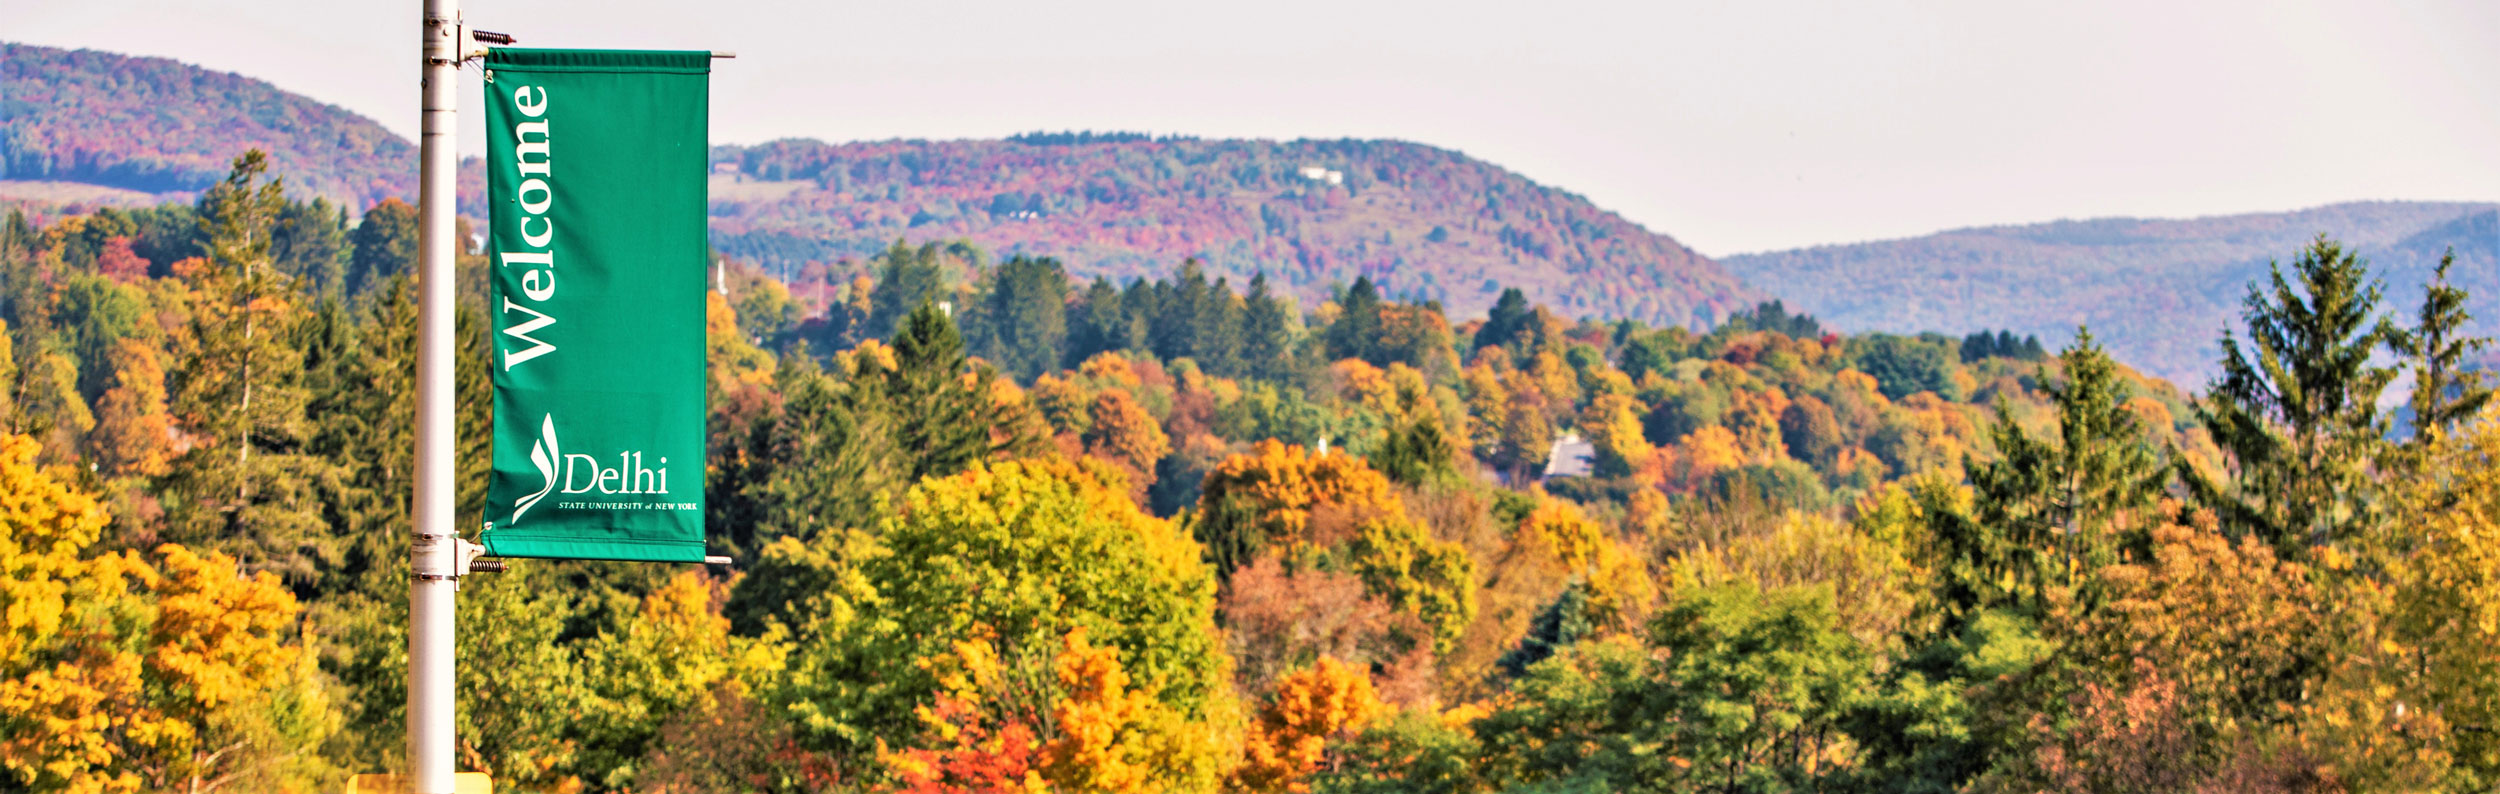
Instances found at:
x=436 y=555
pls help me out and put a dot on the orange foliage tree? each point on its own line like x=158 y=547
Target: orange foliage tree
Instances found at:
x=1290 y=739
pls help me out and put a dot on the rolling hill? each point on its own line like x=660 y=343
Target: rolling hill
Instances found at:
x=1426 y=223
x=159 y=126
x=2157 y=292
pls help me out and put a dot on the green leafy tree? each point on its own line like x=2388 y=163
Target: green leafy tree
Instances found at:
x=1903 y=365
x=1740 y=690
x=1015 y=555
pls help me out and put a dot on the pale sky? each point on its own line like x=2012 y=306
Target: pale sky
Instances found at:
x=1733 y=126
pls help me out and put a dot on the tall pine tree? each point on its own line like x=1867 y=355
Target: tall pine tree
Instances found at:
x=247 y=487
x=2444 y=392
x=1022 y=325
x=2080 y=496
x=2296 y=408
x=1267 y=330
x=1357 y=331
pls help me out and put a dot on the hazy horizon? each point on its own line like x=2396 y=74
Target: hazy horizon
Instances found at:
x=1733 y=129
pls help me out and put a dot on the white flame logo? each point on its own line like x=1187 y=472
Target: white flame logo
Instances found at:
x=545 y=455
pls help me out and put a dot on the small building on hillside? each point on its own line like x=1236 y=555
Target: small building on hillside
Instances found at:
x=1569 y=457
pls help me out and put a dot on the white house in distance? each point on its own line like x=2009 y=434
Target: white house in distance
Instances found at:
x=1323 y=174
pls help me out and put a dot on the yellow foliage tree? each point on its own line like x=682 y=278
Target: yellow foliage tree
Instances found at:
x=1559 y=538
x=1101 y=746
x=1268 y=495
x=1289 y=739
x=2416 y=678
x=119 y=676
x=133 y=434
x=1612 y=423
x=735 y=360
x=1121 y=431
x=1707 y=451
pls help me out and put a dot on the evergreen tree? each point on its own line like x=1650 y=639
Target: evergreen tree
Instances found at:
x=819 y=465
x=1357 y=331
x=1416 y=453
x=247 y=487
x=2296 y=409
x=1267 y=328
x=1219 y=331
x=1564 y=621
x=1022 y=324
x=1100 y=324
x=310 y=244
x=1174 y=331
x=2067 y=504
x=363 y=390
x=2444 y=393
x=906 y=278
x=1511 y=316
x=383 y=245
x=1142 y=302
x=943 y=418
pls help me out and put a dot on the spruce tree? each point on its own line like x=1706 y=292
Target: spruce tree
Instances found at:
x=2296 y=408
x=382 y=246
x=247 y=487
x=1100 y=324
x=1219 y=331
x=2444 y=392
x=310 y=244
x=1022 y=324
x=906 y=278
x=2080 y=496
x=1564 y=621
x=1510 y=316
x=1267 y=332
x=1173 y=333
x=1141 y=301
x=1356 y=333
x=939 y=428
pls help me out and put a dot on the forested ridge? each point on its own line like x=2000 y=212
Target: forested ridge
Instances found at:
x=157 y=125
x=1424 y=222
x=2155 y=289
x=996 y=527
x=1421 y=222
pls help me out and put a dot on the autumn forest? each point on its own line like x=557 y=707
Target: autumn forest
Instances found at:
x=996 y=528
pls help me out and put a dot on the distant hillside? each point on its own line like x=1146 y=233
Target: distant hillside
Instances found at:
x=157 y=125
x=2158 y=292
x=1424 y=222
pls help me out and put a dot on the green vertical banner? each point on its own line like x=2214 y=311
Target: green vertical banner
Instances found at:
x=595 y=172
